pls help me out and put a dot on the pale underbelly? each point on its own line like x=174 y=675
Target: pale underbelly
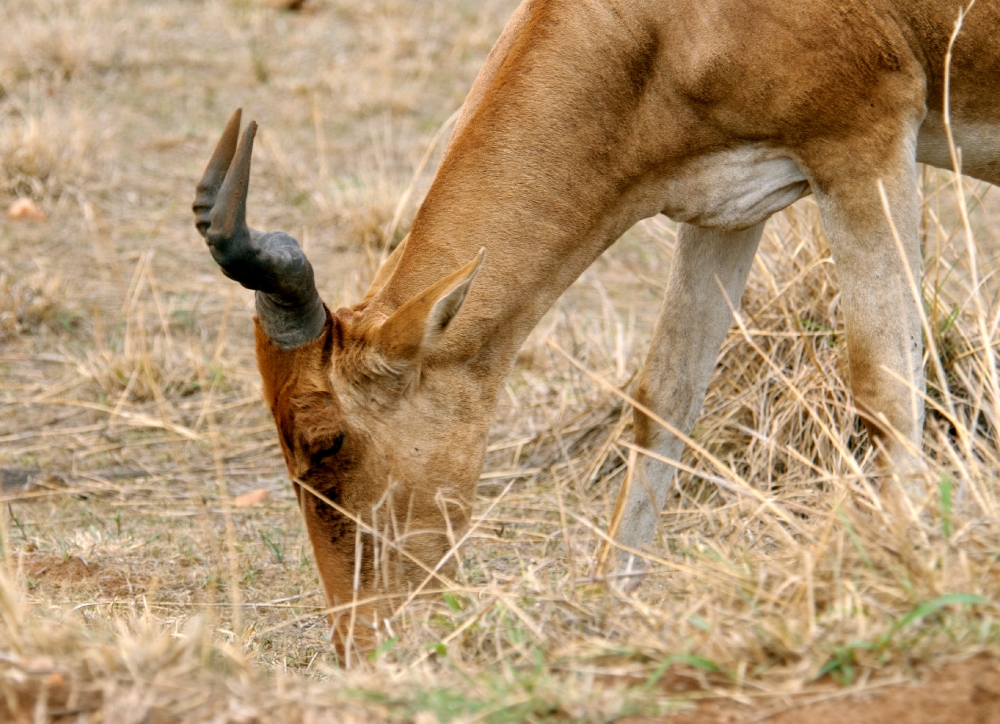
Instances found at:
x=733 y=189
x=738 y=188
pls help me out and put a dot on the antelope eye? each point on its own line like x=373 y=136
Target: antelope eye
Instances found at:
x=321 y=455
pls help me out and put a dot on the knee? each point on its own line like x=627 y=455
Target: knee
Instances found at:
x=674 y=398
x=645 y=427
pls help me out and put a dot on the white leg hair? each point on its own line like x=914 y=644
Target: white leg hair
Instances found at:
x=709 y=271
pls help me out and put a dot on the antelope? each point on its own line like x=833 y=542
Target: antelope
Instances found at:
x=588 y=116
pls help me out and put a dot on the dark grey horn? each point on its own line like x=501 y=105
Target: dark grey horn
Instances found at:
x=215 y=173
x=288 y=305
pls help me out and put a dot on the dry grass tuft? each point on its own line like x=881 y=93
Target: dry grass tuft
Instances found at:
x=141 y=374
x=137 y=592
x=48 y=44
x=42 y=155
x=48 y=145
x=26 y=304
x=365 y=208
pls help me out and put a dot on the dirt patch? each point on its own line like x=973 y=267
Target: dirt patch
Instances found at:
x=962 y=693
x=49 y=574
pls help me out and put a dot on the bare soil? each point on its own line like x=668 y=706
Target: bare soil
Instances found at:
x=966 y=692
x=46 y=574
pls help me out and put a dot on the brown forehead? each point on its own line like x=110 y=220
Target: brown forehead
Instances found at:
x=296 y=382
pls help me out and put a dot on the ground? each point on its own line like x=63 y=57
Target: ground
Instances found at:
x=136 y=588
x=963 y=693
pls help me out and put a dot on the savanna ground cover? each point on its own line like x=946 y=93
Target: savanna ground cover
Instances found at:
x=136 y=588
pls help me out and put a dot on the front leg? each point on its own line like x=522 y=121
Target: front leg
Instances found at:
x=879 y=279
x=708 y=273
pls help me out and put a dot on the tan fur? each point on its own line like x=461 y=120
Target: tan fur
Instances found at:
x=589 y=116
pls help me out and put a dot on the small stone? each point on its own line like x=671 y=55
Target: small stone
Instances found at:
x=254 y=497
x=25 y=210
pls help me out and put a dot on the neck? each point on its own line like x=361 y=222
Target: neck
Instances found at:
x=928 y=25
x=546 y=174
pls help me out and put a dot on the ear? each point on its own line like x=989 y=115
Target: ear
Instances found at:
x=385 y=271
x=415 y=328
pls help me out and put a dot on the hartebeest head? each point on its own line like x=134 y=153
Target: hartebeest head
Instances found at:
x=382 y=467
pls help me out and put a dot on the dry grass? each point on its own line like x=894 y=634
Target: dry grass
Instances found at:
x=28 y=303
x=137 y=593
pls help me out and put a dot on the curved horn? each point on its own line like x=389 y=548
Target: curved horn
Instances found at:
x=289 y=308
x=215 y=173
